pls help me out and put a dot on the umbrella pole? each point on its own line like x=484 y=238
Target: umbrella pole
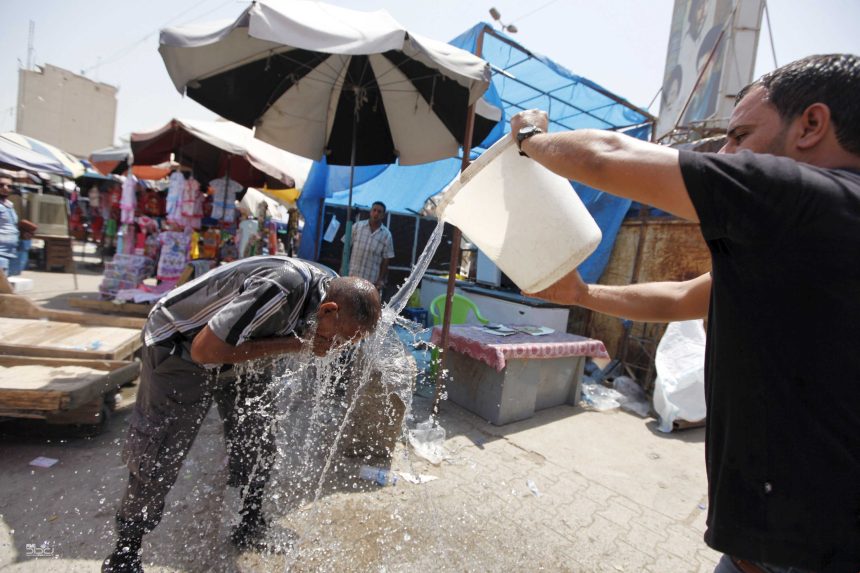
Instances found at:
x=452 y=272
x=72 y=241
x=455 y=249
x=226 y=185
x=347 y=232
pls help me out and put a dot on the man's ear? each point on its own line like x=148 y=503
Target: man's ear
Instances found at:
x=814 y=125
x=327 y=308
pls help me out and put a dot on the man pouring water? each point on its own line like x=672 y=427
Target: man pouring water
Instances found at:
x=249 y=309
x=779 y=208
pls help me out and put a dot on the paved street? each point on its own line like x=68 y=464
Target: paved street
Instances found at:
x=567 y=490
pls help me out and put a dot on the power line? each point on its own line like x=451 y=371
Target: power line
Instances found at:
x=122 y=52
x=538 y=9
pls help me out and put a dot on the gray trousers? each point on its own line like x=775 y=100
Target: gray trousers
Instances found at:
x=173 y=398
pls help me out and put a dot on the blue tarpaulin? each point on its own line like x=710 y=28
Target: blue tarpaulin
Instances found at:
x=521 y=80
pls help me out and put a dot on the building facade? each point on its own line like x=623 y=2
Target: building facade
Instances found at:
x=67 y=110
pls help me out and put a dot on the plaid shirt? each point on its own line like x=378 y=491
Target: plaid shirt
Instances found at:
x=368 y=250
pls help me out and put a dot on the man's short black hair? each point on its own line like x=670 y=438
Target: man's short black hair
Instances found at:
x=831 y=79
x=381 y=204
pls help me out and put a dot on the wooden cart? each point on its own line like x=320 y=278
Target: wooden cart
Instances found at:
x=62 y=390
x=46 y=350
x=27 y=329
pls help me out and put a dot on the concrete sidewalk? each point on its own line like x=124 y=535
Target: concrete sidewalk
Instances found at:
x=567 y=490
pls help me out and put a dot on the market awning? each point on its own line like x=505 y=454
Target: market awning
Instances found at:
x=211 y=148
x=74 y=167
x=277 y=206
x=111 y=159
x=17 y=156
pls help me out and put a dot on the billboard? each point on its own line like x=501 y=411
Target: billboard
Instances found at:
x=711 y=55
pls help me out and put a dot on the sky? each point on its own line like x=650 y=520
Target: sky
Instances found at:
x=619 y=44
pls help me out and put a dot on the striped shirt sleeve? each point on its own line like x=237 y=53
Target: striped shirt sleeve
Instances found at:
x=262 y=297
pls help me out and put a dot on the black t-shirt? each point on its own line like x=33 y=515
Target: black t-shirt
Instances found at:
x=782 y=378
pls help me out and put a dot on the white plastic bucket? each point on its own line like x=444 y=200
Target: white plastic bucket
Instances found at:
x=529 y=221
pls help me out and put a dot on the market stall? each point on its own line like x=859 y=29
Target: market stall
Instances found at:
x=192 y=221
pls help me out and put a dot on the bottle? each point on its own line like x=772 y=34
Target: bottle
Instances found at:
x=381 y=476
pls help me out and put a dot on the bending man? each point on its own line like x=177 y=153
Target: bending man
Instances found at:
x=249 y=309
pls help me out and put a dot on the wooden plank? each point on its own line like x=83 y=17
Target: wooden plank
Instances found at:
x=680 y=424
x=27 y=337
x=39 y=387
x=46 y=351
x=53 y=387
x=17 y=306
x=34 y=415
x=45 y=400
x=5 y=287
x=110 y=381
x=108 y=306
x=96 y=364
x=89 y=413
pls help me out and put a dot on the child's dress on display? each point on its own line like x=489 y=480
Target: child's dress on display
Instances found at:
x=174 y=254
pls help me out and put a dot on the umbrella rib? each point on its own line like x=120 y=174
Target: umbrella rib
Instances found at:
x=325 y=64
x=321 y=66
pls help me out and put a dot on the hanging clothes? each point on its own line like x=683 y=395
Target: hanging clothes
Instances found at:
x=192 y=204
x=128 y=201
x=175 y=190
x=174 y=254
x=248 y=230
x=152 y=203
x=224 y=199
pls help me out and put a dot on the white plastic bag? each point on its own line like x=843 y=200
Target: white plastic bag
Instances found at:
x=599 y=397
x=679 y=390
x=428 y=441
x=633 y=397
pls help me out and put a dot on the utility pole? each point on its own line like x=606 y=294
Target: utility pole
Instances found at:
x=30 y=50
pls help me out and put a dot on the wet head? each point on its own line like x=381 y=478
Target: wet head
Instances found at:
x=349 y=312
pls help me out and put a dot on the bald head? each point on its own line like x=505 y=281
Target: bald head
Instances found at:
x=358 y=298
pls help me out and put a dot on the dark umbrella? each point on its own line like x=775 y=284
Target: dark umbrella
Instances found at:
x=326 y=82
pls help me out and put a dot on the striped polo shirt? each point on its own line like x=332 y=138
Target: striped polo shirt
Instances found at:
x=257 y=297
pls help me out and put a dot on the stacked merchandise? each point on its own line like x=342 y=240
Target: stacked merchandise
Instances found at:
x=125 y=272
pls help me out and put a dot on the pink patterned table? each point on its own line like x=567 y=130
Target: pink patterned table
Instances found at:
x=507 y=378
x=495 y=350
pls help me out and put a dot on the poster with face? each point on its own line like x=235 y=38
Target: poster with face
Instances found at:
x=700 y=33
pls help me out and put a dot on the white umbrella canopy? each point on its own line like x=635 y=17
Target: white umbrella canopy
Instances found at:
x=327 y=82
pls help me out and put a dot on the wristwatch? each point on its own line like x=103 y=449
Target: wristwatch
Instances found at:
x=524 y=133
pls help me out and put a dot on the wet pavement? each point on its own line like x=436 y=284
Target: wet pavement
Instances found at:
x=566 y=490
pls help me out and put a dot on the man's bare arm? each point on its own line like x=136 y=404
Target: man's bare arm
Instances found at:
x=612 y=162
x=644 y=302
x=207 y=348
x=383 y=272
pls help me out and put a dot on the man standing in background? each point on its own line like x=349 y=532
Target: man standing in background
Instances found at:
x=8 y=227
x=372 y=246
